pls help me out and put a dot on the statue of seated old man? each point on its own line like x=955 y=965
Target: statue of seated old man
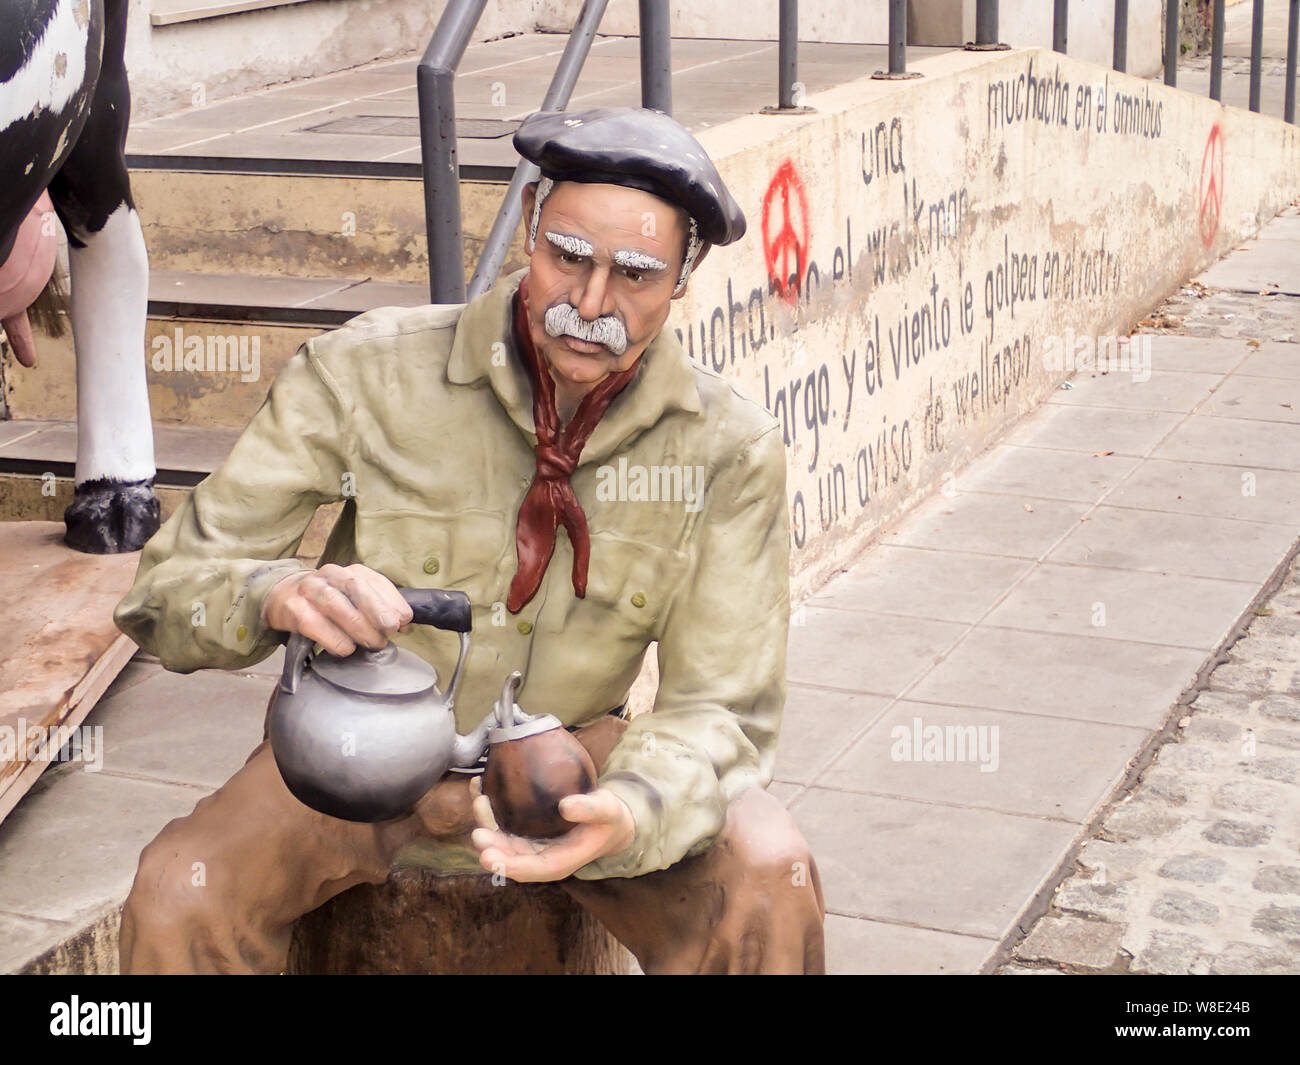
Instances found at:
x=481 y=449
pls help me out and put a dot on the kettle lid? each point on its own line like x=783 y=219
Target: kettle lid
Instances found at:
x=391 y=671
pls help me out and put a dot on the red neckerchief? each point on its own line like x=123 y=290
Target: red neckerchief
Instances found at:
x=550 y=501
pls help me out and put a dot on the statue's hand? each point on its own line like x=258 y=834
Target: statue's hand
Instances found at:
x=603 y=825
x=338 y=606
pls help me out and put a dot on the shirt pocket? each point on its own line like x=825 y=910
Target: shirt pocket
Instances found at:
x=463 y=551
x=633 y=584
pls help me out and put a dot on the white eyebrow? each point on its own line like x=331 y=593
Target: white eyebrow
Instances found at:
x=638 y=260
x=568 y=242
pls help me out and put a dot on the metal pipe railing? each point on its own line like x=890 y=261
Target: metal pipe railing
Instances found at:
x=1060 y=25
x=1216 y=52
x=656 y=57
x=787 y=61
x=1292 y=47
x=1172 y=45
x=435 y=89
x=556 y=99
x=898 y=36
x=986 y=21
x=1119 y=58
x=1256 y=54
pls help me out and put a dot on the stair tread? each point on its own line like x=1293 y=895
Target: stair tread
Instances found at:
x=177 y=448
x=325 y=301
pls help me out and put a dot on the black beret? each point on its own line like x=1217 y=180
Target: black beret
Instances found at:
x=639 y=148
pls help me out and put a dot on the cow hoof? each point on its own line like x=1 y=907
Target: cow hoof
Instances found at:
x=110 y=517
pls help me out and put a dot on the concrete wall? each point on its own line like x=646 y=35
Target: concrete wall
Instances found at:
x=942 y=233
x=178 y=66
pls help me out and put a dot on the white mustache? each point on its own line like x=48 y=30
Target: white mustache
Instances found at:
x=563 y=319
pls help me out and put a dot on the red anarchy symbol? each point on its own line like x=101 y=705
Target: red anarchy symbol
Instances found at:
x=1211 y=190
x=791 y=239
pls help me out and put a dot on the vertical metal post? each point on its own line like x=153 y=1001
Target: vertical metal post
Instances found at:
x=1256 y=53
x=1060 y=25
x=434 y=80
x=1120 y=57
x=1216 y=52
x=986 y=21
x=656 y=57
x=897 y=36
x=1292 y=46
x=1171 y=42
x=788 y=53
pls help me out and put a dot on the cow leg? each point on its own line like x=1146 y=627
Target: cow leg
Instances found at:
x=114 y=508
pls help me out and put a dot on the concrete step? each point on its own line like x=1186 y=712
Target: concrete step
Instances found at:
x=262 y=217
x=38 y=460
x=246 y=326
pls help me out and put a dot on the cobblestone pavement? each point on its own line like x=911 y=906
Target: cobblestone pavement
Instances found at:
x=1197 y=868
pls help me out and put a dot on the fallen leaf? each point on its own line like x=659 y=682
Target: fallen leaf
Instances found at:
x=1252 y=343
x=1147 y=322
x=1029 y=508
x=1101 y=454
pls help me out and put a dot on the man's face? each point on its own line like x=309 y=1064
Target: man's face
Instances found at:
x=606 y=260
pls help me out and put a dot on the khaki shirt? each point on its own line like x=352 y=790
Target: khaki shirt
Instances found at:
x=421 y=419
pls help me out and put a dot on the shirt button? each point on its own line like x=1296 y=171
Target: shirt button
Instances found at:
x=430 y=565
x=638 y=600
x=525 y=627
x=241 y=633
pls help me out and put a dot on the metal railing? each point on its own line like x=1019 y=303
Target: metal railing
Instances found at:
x=986 y=10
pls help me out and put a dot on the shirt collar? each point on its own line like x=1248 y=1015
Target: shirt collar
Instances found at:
x=664 y=382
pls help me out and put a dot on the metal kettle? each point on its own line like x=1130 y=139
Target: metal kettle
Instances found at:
x=362 y=738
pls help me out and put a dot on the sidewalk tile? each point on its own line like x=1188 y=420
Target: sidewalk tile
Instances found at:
x=1273 y=359
x=1213 y=355
x=1093 y=429
x=944 y=867
x=1117 y=604
x=1042 y=766
x=1222 y=491
x=1062 y=676
x=816 y=726
x=1177 y=392
x=862 y=652
x=21 y=938
x=1272 y=399
x=72 y=845
x=1160 y=542
x=1259 y=265
x=1074 y=476
x=922 y=583
x=1012 y=526
x=197 y=728
x=1234 y=441
x=856 y=946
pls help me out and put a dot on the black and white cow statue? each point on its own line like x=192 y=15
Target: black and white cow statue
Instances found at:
x=64 y=108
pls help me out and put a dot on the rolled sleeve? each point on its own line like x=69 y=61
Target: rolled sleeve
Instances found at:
x=198 y=593
x=712 y=733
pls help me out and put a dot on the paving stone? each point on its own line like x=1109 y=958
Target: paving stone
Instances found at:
x=1278 y=880
x=1073 y=941
x=1025 y=970
x=1278 y=920
x=1167 y=785
x=1281 y=707
x=1168 y=953
x=1251 y=959
x=1266 y=649
x=1102 y=898
x=1246 y=796
x=1241 y=677
x=1138 y=820
x=1216 y=730
x=1102 y=859
x=1285 y=770
x=1194 y=868
x=1178 y=907
x=1276 y=737
x=1238 y=834
x=1225 y=703
x=1185 y=758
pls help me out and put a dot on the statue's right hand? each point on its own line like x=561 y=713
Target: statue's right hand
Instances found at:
x=338 y=607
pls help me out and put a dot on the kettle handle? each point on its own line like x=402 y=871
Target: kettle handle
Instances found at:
x=442 y=610
x=429 y=606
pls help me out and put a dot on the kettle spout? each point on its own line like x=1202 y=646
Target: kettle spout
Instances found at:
x=469 y=748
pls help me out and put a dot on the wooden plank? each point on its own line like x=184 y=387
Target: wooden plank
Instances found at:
x=59 y=648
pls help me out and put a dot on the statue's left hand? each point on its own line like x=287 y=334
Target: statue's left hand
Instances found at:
x=603 y=825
